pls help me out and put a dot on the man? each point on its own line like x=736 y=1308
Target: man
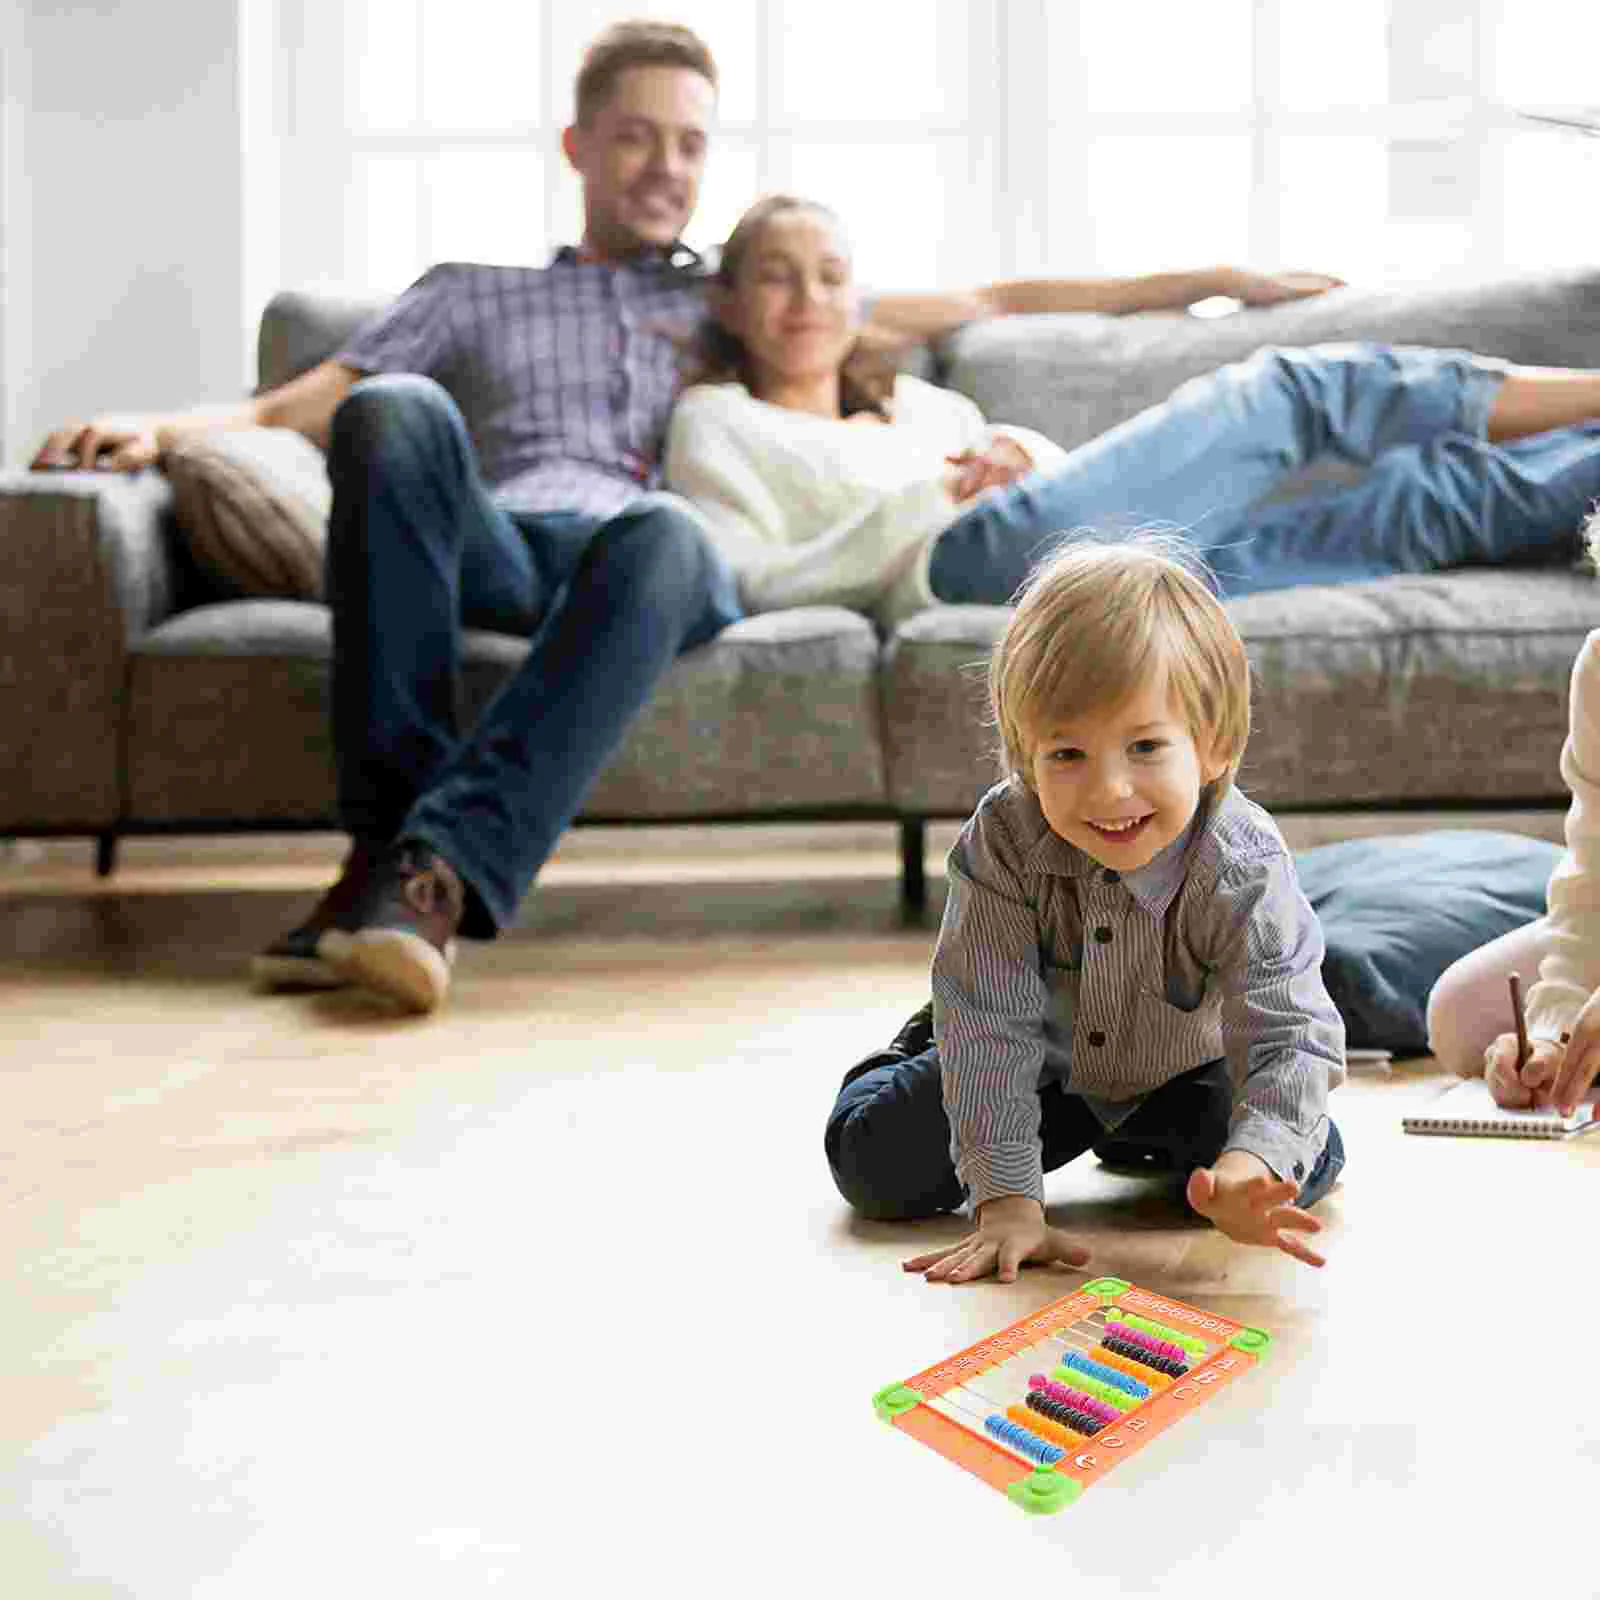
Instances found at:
x=493 y=438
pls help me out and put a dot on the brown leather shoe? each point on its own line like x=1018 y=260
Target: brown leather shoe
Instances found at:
x=403 y=942
x=299 y=959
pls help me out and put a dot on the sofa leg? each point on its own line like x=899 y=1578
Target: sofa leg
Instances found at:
x=105 y=855
x=913 y=877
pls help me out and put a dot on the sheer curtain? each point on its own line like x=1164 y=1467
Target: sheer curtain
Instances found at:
x=969 y=139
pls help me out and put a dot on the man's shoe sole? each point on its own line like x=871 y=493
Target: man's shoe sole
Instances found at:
x=283 y=974
x=392 y=962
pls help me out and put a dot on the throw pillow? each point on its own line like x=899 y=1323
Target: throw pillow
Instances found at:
x=1398 y=909
x=253 y=505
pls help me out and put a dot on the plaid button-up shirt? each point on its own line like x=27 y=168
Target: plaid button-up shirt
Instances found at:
x=564 y=374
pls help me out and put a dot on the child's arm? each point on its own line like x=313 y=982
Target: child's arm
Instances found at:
x=1285 y=1043
x=989 y=1000
x=1011 y=1229
x=1242 y=1197
x=1566 y=999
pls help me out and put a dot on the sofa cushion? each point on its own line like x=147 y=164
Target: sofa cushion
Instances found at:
x=777 y=715
x=253 y=506
x=301 y=327
x=1396 y=910
x=1437 y=689
x=1073 y=376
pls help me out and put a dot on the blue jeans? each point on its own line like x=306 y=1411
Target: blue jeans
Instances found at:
x=417 y=550
x=888 y=1138
x=1436 y=493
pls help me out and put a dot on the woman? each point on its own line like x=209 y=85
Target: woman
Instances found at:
x=827 y=479
x=1469 y=1011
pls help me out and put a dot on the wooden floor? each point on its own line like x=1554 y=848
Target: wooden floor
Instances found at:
x=551 y=1294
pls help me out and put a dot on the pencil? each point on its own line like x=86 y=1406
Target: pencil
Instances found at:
x=1521 y=1021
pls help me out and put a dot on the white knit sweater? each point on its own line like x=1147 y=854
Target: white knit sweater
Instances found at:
x=813 y=511
x=1570 y=970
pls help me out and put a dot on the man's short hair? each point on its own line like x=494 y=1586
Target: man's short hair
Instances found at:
x=1094 y=622
x=641 y=43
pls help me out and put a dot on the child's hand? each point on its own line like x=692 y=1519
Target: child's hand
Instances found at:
x=1011 y=1229
x=1582 y=1064
x=1538 y=1076
x=1244 y=1200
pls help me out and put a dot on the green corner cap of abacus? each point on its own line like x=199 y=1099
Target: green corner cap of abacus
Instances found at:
x=1107 y=1288
x=1254 y=1341
x=894 y=1398
x=1044 y=1491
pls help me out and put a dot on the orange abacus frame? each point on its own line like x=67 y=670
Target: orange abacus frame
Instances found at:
x=1222 y=1351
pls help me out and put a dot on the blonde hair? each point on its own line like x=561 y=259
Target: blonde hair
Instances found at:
x=1096 y=621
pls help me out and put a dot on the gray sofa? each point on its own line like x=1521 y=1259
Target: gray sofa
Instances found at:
x=134 y=698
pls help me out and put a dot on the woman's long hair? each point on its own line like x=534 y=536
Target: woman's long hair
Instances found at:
x=866 y=379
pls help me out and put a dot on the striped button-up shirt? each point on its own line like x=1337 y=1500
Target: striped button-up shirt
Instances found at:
x=565 y=374
x=1052 y=968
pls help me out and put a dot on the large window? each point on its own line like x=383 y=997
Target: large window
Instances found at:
x=969 y=139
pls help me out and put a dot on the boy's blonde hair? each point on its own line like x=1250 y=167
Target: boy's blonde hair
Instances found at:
x=1094 y=622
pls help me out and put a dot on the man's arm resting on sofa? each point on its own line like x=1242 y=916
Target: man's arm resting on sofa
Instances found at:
x=898 y=319
x=127 y=442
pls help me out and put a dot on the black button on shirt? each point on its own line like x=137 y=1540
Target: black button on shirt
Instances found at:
x=1102 y=936
x=1097 y=1038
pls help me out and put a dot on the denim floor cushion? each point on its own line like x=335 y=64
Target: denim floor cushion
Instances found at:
x=1396 y=910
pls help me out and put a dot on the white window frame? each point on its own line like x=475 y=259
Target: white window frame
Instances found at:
x=1022 y=103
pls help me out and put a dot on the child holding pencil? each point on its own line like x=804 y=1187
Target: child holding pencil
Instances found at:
x=1471 y=1028
x=1125 y=954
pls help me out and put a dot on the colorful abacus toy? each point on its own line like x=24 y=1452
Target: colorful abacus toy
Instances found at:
x=1044 y=1408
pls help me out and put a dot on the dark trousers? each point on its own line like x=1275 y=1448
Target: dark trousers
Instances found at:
x=418 y=552
x=888 y=1139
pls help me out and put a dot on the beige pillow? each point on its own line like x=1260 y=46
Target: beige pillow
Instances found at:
x=253 y=504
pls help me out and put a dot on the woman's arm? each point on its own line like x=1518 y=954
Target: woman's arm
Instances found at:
x=722 y=458
x=781 y=505
x=901 y=319
x=1570 y=971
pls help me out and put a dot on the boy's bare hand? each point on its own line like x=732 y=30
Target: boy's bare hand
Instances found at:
x=1254 y=1209
x=1011 y=1230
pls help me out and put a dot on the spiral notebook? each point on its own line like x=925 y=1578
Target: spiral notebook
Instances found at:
x=1468 y=1108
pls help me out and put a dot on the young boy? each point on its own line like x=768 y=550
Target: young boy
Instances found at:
x=1125 y=949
